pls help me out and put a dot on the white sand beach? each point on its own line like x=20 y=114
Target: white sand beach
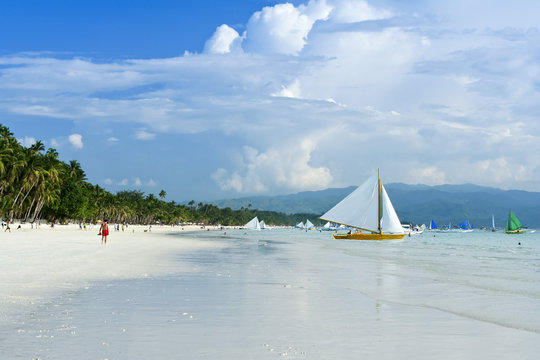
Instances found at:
x=264 y=295
x=36 y=264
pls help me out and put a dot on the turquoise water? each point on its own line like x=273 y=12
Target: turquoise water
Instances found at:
x=286 y=294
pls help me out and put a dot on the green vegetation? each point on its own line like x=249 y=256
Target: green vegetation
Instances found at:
x=35 y=184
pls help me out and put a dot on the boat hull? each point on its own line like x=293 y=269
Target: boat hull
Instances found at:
x=518 y=231
x=362 y=236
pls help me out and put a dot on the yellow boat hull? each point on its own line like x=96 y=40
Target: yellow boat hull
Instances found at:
x=362 y=236
x=519 y=231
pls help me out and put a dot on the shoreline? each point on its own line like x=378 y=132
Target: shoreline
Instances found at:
x=38 y=264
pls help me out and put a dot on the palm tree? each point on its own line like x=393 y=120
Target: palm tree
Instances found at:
x=162 y=194
x=75 y=171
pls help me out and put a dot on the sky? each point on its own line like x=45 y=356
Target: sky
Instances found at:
x=210 y=99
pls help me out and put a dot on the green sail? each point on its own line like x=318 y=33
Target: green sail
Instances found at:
x=513 y=222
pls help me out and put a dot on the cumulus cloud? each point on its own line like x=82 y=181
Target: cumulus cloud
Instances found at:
x=288 y=167
x=224 y=40
x=283 y=28
x=76 y=140
x=112 y=139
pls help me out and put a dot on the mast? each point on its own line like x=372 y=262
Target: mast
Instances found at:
x=380 y=207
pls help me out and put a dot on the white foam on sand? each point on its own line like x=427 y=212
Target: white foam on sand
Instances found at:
x=36 y=264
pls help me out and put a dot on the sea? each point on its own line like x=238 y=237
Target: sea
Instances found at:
x=292 y=294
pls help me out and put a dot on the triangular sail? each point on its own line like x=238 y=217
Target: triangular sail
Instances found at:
x=464 y=225
x=299 y=225
x=253 y=224
x=308 y=225
x=432 y=226
x=262 y=224
x=359 y=209
x=513 y=222
x=390 y=220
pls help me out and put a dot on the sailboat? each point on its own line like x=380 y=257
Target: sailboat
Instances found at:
x=262 y=225
x=253 y=224
x=299 y=225
x=368 y=209
x=513 y=225
x=493 y=223
x=309 y=225
x=465 y=226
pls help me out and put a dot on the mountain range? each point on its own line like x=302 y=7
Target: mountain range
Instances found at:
x=417 y=204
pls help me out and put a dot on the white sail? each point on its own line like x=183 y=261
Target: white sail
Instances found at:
x=262 y=224
x=253 y=224
x=360 y=209
x=327 y=225
x=308 y=225
x=300 y=225
x=390 y=220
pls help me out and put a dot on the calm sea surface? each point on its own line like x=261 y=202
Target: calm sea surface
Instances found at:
x=286 y=294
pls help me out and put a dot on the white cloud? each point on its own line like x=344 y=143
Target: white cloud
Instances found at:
x=224 y=40
x=283 y=28
x=123 y=182
x=142 y=134
x=288 y=167
x=76 y=140
x=347 y=11
x=137 y=181
x=151 y=183
x=112 y=139
x=108 y=181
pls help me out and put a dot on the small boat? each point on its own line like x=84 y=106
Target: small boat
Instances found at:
x=412 y=230
x=309 y=225
x=465 y=226
x=253 y=224
x=432 y=225
x=369 y=210
x=513 y=225
x=493 y=223
x=328 y=227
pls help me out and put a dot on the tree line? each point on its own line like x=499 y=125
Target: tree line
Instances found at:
x=36 y=184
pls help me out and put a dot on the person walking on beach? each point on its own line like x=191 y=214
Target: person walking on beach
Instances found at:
x=104 y=231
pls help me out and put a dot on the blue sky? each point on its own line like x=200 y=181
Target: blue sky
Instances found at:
x=213 y=99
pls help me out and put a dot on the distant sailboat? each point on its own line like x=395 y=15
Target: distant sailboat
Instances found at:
x=432 y=225
x=299 y=225
x=493 y=223
x=253 y=224
x=368 y=208
x=513 y=225
x=465 y=226
x=328 y=227
x=262 y=224
x=309 y=225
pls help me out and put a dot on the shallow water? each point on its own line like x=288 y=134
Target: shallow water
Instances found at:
x=285 y=294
